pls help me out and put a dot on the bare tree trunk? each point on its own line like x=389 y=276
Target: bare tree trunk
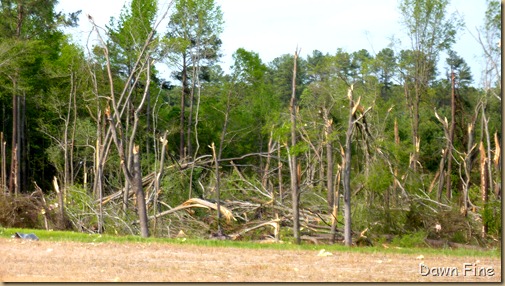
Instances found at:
x=14 y=178
x=157 y=181
x=293 y=166
x=137 y=186
x=441 y=177
x=347 y=172
x=3 y=173
x=98 y=184
x=217 y=158
x=182 y=153
x=467 y=165
x=264 y=177
x=329 y=159
x=497 y=165
x=279 y=174
x=129 y=161
x=85 y=174
x=445 y=153
x=61 y=200
x=489 y=171
x=66 y=157
x=395 y=172
x=483 y=183
x=23 y=150
x=72 y=139
x=413 y=106
x=451 y=138
x=148 y=122
x=334 y=214
x=189 y=148
x=218 y=194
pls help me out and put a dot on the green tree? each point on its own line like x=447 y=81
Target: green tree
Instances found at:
x=430 y=31
x=385 y=67
x=192 y=43
x=281 y=75
x=31 y=29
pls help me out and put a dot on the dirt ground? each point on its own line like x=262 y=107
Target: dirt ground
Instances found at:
x=44 y=261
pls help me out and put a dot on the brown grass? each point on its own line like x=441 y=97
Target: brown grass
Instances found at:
x=43 y=261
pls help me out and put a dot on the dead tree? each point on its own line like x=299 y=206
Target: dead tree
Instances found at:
x=218 y=180
x=293 y=165
x=445 y=153
x=3 y=172
x=346 y=172
x=328 y=129
x=126 y=147
x=483 y=183
x=451 y=137
x=157 y=180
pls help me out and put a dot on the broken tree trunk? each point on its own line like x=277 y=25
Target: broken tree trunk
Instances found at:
x=445 y=153
x=334 y=213
x=196 y=203
x=451 y=138
x=329 y=158
x=60 y=199
x=346 y=176
x=293 y=165
x=218 y=209
x=139 y=191
x=483 y=183
x=159 y=175
x=3 y=173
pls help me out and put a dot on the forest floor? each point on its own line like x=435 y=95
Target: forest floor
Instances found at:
x=49 y=261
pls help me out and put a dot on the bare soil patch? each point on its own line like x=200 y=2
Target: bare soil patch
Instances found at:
x=44 y=261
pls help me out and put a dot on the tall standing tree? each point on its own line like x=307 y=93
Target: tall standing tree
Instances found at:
x=385 y=66
x=459 y=76
x=430 y=31
x=489 y=37
x=280 y=74
x=192 y=43
x=294 y=167
x=32 y=28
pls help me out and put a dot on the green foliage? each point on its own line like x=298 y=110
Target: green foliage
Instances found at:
x=411 y=240
x=491 y=216
x=67 y=93
x=379 y=178
x=79 y=201
x=194 y=27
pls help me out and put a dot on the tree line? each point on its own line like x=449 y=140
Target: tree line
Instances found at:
x=330 y=146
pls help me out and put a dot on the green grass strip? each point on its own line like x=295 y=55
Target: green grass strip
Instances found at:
x=71 y=236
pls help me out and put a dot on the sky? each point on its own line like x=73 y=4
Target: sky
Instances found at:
x=272 y=28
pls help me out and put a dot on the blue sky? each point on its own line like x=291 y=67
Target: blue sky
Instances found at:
x=272 y=28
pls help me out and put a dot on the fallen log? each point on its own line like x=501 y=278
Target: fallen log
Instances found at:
x=317 y=239
x=275 y=223
x=195 y=203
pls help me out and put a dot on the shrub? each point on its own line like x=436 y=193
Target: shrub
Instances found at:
x=492 y=217
x=415 y=239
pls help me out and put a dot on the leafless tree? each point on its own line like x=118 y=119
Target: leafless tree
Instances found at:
x=293 y=167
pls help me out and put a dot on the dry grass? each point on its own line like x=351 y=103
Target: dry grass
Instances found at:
x=44 y=261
